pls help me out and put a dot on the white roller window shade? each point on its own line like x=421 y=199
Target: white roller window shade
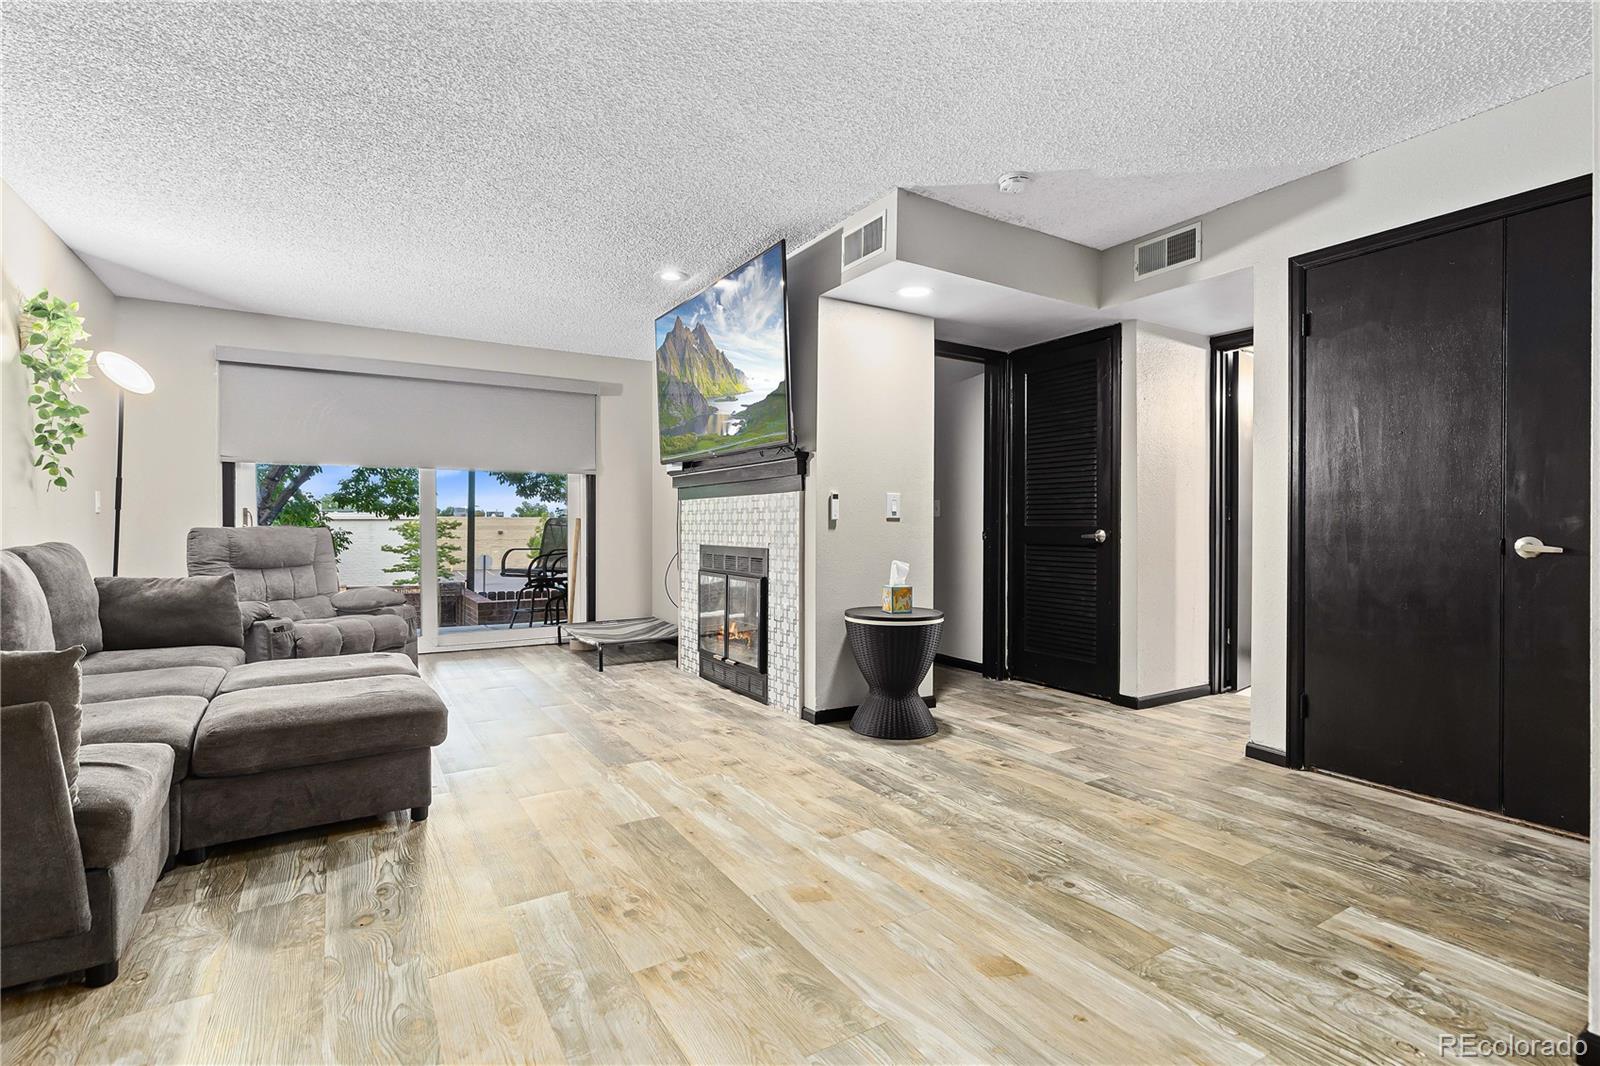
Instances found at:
x=292 y=415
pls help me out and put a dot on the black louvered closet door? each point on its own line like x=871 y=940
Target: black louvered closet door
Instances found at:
x=1063 y=568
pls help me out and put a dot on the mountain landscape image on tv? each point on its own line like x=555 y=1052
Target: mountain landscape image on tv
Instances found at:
x=722 y=365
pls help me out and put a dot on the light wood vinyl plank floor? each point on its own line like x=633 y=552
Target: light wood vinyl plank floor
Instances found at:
x=635 y=867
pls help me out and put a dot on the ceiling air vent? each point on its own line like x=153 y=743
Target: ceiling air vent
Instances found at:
x=1167 y=251
x=860 y=243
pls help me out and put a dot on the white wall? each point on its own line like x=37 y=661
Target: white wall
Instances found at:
x=933 y=234
x=1165 y=509
x=958 y=469
x=33 y=258
x=957 y=241
x=1536 y=141
x=172 y=475
x=874 y=435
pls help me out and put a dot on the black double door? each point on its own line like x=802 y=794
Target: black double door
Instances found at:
x=1445 y=414
x=1063 y=577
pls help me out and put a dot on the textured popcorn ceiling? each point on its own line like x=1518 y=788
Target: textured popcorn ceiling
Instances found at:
x=521 y=172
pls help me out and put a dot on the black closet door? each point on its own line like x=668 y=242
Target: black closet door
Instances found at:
x=1063 y=589
x=1404 y=492
x=1546 y=762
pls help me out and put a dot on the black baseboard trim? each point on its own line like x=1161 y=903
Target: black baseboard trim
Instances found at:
x=1161 y=699
x=840 y=714
x=1587 y=1053
x=1252 y=750
x=826 y=715
x=959 y=664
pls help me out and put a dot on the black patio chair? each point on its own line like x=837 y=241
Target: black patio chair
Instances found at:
x=544 y=576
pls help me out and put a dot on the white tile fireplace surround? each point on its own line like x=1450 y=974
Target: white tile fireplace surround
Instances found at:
x=767 y=520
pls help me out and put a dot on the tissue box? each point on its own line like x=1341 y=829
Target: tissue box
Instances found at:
x=897 y=599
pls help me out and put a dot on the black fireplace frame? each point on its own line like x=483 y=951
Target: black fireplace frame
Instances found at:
x=748 y=564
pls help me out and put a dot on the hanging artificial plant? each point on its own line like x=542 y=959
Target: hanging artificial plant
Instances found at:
x=51 y=330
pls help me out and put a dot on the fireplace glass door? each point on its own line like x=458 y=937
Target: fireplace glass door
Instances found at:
x=745 y=622
x=732 y=619
x=713 y=614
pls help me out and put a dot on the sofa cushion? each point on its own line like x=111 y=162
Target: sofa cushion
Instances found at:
x=24 y=611
x=371 y=632
x=318 y=607
x=199 y=681
x=116 y=662
x=305 y=671
x=356 y=634
x=51 y=677
x=271 y=562
x=124 y=795
x=365 y=600
x=169 y=612
x=74 y=601
x=312 y=639
x=277 y=726
x=169 y=720
x=390 y=631
x=44 y=894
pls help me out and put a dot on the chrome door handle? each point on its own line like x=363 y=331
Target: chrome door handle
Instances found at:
x=1099 y=537
x=1532 y=547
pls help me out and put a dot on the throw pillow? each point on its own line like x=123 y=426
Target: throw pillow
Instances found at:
x=169 y=612
x=52 y=677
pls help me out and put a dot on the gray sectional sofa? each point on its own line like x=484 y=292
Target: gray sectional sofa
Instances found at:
x=133 y=732
x=288 y=584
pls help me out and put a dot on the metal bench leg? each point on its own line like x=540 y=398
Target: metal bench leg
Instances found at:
x=601 y=651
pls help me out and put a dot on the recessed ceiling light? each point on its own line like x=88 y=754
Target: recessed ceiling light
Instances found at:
x=915 y=292
x=672 y=275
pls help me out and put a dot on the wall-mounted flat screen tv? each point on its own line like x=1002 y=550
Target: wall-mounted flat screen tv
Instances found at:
x=722 y=365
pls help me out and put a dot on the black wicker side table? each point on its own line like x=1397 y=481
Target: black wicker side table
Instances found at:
x=894 y=652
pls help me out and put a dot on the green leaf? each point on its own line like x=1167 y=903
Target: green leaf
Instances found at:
x=61 y=481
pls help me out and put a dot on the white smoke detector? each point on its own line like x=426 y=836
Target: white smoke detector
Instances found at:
x=1014 y=182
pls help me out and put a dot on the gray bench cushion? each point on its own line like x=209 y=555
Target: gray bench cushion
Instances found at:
x=162 y=681
x=305 y=671
x=122 y=796
x=116 y=662
x=169 y=720
x=277 y=726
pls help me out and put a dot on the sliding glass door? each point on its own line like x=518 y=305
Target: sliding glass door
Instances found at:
x=503 y=570
x=486 y=558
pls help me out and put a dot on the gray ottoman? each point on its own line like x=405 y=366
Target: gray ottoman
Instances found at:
x=285 y=746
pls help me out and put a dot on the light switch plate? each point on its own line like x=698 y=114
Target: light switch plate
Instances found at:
x=96 y=501
x=891 y=506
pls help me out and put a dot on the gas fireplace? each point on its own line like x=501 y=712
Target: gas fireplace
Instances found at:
x=733 y=619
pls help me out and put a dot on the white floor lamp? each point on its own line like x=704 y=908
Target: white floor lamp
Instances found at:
x=128 y=376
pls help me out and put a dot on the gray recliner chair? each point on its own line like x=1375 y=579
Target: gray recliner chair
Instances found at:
x=289 y=595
